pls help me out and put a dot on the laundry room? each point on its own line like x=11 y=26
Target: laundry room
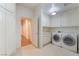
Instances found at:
x=54 y=28
x=64 y=26
x=39 y=29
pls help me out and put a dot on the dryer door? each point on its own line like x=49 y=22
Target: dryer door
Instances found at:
x=56 y=38
x=69 y=40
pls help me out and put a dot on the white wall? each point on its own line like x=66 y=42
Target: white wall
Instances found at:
x=23 y=11
x=45 y=37
x=45 y=19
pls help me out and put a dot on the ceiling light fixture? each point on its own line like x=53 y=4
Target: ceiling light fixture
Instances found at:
x=53 y=9
x=53 y=13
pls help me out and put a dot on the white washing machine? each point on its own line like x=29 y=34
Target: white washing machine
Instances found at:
x=56 y=38
x=69 y=41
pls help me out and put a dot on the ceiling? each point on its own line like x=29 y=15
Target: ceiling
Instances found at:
x=30 y=5
x=46 y=6
x=60 y=7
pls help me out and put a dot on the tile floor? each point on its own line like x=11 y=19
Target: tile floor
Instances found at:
x=49 y=50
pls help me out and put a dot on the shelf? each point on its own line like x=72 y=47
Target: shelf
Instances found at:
x=59 y=27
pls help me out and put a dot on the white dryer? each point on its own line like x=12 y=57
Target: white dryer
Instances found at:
x=78 y=42
x=56 y=38
x=69 y=41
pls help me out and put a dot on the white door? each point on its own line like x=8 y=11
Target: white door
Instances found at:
x=35 y=27
x=11 y=33
x=2 y=34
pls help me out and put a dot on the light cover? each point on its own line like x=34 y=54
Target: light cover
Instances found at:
x=53 y=13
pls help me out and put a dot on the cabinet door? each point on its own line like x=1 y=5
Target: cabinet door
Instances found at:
x=2 y=34
x=73 y=17
x=70 y=18
x=55 y=21
x=10 y=33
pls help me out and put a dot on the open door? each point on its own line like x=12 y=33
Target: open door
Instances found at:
x=25 y=31
x=35 y=32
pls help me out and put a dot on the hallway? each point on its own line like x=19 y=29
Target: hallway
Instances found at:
x=49 y=50
x=25 y=42
x=25 y=31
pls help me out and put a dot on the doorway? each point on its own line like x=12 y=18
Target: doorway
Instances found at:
x=25 y=31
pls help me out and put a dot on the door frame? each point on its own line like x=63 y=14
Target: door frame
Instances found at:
x=20 y=29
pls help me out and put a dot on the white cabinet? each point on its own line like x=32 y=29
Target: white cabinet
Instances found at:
x=55 y=21
x=70 y=18
x=67 y=18
x=73 y=17
x=2 y=34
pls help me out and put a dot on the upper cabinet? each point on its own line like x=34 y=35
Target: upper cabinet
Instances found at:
x=67 y=18
x=70 y=18
x=2 y=33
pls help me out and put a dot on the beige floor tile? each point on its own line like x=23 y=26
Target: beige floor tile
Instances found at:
x=49 y=50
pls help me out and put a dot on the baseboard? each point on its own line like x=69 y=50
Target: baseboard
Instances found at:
x=35 y=46
x=46 y=44
x=12 y=54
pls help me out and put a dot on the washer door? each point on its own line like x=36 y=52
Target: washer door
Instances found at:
x=68 y=40
x=56 y=38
